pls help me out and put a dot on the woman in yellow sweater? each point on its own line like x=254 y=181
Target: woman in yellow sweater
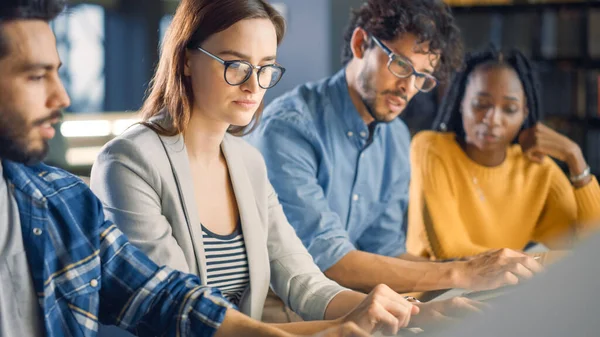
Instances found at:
x=485 y=180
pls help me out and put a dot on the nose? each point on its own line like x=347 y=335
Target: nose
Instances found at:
x=407 y=86
x=58 y=97
x=251 y=85
x=493 y=116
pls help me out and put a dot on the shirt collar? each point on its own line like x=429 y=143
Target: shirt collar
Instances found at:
x=344 y=106
x=22 y=176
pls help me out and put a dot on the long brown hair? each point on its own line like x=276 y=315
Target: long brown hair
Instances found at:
x=193 y=22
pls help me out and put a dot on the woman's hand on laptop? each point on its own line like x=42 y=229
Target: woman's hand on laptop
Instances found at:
x=382 y=310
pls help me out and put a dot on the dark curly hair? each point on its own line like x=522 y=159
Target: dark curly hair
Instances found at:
x=429 y=20
x=10 y=10
x=449 y=118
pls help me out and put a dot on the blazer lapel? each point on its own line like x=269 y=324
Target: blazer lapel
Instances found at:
x=253 y=234
x=178 y=157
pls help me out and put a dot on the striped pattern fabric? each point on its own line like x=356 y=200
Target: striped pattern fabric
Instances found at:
x=226 y=263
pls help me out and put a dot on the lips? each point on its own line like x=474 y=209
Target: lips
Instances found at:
x=396 y=101
x=246 y=103
x=46 y=130
x=395 y=104
x=489 y=136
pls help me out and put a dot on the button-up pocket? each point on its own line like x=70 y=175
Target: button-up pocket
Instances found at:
x=78 y=292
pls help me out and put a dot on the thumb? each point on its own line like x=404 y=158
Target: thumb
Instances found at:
x=415 y=310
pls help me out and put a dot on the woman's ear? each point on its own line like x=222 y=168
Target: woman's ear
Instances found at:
x=359 y=42
x=186 y=64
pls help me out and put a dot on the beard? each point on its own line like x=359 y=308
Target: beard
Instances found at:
x=369 y=97
x=15 y=144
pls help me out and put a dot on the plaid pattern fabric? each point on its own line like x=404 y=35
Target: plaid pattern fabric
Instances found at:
x=85 y=271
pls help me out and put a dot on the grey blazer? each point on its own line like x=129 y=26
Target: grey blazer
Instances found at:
x=145 y=183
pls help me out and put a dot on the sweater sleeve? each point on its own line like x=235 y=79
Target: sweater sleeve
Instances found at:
x=569 y=212
x=435 y=225
x=588 y=203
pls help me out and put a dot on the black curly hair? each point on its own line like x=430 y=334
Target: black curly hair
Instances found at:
x=429 y=20
x=10 y=10
x=449 y=118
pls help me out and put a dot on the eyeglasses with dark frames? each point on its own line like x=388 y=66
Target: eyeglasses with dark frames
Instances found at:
x=402 y=68
x=238 y=72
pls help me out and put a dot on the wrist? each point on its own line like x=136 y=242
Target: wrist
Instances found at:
x=455 y=275
x=576 y=161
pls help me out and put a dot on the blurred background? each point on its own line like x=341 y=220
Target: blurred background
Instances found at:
x=109 y=49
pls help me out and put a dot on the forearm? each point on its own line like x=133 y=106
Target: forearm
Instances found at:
x=411 y=257
x=363 y=271
x=237 y=324
x=343 y=303
x=306 y=328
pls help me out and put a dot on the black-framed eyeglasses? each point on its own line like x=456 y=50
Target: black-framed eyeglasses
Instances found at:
x=402 y=68
x=239 y=71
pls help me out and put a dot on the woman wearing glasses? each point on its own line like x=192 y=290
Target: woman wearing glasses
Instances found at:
x=195 y=197
x=483 y=180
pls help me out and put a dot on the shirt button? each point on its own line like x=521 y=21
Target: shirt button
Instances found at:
x=362 y=155
x=94 y=283
x=355 y=197
x=350 y=134
x=37 y=231
x=363 y=134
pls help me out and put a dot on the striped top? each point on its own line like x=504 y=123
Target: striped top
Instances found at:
x=226 y=263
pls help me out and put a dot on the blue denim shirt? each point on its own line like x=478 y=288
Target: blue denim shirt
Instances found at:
x=338 y=191
x=85 y=271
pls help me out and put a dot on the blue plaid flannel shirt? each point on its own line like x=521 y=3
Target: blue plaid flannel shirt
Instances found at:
x=86 y=272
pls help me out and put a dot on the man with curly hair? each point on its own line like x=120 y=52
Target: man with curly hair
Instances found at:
x=338 y=156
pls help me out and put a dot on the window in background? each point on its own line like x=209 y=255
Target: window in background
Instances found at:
x=80 y=42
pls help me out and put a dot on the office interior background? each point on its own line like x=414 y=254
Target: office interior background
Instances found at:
x=109 y=49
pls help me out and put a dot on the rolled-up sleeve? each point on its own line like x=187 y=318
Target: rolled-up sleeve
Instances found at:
x=291 y=151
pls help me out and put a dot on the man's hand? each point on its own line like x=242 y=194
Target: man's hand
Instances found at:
x=497 y=268
x=345 y=330
x=435 y=315
x=383 y=309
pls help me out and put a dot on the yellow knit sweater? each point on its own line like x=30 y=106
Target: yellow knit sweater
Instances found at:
x=459 y=208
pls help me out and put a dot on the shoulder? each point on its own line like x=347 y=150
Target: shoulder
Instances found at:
x=134 y=140
x=138 y=146
x=139 y=150
x=547 y=169
x=48 y=178
x=59 y=187
x=297 y=108
x=433 y=142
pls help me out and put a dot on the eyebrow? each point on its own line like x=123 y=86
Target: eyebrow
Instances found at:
x=40 y=66
x=426 y=71
x=510 y=98
x=244 y=56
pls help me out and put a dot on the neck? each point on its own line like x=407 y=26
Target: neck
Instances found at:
x=203 y=139
x=489 y=158
x=352 y=78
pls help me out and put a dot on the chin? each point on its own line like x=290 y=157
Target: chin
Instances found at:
x=388 y=117
x=241 y=121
